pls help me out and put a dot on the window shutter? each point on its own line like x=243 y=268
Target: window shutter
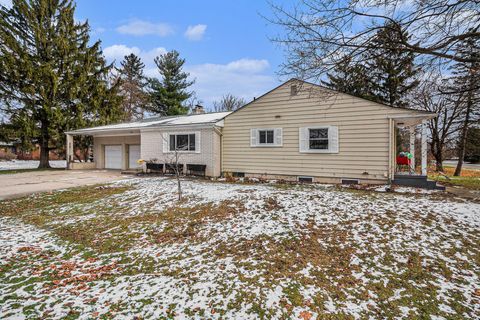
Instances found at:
x=253 y=137
x=333 y=139
x=166 y=142
x=278 y=135
x=197 y=141
x=303 y=139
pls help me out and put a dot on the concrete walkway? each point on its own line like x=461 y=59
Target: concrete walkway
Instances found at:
x=22 y=184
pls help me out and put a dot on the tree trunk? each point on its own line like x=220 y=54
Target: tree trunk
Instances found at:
x=439 y=162
x=44 y=151
x=463 y=137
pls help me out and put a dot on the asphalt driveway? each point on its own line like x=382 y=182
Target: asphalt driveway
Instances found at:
x=21 y=184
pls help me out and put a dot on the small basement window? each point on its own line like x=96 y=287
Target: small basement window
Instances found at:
x=303 y=179
x=238 y=174
x=350 y=181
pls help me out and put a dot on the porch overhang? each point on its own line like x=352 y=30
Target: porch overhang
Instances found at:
x=411 y=121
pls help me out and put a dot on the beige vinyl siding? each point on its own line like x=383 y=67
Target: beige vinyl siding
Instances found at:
x=363 y=129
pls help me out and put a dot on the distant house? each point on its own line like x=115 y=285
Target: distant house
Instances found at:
x=7 y=150
x=297 y=131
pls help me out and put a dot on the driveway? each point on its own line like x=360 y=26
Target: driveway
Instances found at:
x=21 y=184
x=466 y=165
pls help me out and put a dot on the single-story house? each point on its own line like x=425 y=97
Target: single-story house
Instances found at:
x=297 y=131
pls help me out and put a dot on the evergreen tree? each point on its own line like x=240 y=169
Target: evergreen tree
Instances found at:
x=168 y=94
x=390 y=68
x=385 y=73
x=466 y=88
x=51 y=78
x=349 y=77
x=133 y=87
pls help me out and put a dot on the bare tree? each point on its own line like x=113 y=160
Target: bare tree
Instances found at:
x=445 y=127
x=320 y=33
x=228 y=102
x=173 y=160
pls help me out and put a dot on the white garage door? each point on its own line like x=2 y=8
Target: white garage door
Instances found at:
x=133 y=156
x=113 y=157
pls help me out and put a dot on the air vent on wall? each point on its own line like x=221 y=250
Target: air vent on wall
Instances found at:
x=350 y=181
x=303 y=179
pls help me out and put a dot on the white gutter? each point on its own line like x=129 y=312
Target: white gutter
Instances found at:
x=425 y=115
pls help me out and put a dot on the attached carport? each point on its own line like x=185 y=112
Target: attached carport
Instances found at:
x=113 y=148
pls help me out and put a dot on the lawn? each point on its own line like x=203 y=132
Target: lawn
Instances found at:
x=470 y=178
x=243 y=251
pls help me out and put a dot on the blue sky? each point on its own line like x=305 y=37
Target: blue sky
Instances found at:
x=225 y=43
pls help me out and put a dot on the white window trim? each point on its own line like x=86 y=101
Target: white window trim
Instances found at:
x=331 y=143
x=166 y=141
x=277 y=136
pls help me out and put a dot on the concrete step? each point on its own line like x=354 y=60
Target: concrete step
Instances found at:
x=416 y=181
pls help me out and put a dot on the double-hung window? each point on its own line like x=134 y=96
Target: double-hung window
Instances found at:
x=182 y=142
x=318 y=139
x=266 y=137
x=269 y=137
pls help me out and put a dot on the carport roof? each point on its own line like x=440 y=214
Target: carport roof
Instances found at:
x=192 y=119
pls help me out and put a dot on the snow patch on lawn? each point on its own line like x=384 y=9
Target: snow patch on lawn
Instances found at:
x=29 y=164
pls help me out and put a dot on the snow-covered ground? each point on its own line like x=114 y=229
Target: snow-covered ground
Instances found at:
x=238 y=251
x=29 y=164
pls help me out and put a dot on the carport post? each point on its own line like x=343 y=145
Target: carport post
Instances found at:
x=424 y=148
x=69 y=150
x=412 y=147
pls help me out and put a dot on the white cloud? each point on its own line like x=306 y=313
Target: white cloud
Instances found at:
x=248 y=65
x=118 y=51
x=245 y=78
x=148 y=56
x=142 y=28
x=195 y=32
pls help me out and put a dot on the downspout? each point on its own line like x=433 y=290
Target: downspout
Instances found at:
x=221 y=148
x=390 y=143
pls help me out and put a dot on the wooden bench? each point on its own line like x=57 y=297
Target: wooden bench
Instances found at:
x=170 y=168
x=155 y=167
x=196 y=169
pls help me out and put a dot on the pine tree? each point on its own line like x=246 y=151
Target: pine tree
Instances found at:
x=167 y=95
x=385 y=73
x=349 y=77
x=51 y=78
x=133 y=87
x=391 y=69
x=466 y=87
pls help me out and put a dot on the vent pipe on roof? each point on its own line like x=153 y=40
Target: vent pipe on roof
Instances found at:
x=198 y=109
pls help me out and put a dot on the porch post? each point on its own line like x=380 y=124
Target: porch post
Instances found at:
x=69 y=150
x=412 y=147
x=424 y=148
